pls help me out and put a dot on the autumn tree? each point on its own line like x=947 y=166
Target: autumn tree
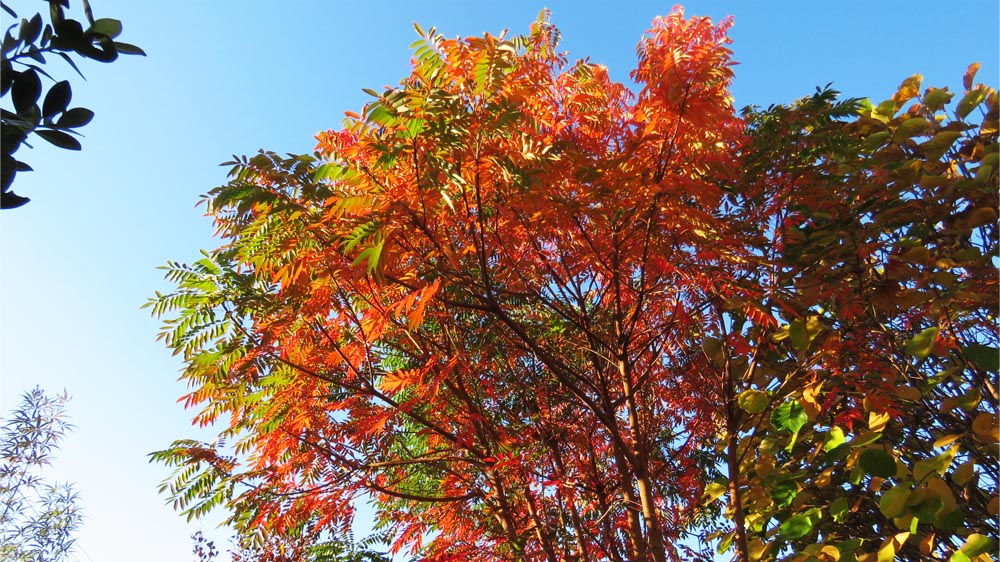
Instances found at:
x=531 y=312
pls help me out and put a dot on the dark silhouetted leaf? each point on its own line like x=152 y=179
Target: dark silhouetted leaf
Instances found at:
x=57 y=100
x=25 y=91
x=76 y=117
x=60 y=139
x=30 y=29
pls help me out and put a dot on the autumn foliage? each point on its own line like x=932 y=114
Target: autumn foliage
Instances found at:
x=536 y=314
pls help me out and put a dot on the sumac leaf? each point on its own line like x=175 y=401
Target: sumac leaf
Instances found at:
x=59 y=138
x=57 y=99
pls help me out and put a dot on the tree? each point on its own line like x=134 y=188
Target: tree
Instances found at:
x=866 y=424
x=25 y=46
x=530 y=311
x=37 y=519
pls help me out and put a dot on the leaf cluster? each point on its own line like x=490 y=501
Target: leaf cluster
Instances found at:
x=24 y=50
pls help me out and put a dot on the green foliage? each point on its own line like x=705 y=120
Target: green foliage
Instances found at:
x=37 y=519
x=24 y=50
x=880 y=243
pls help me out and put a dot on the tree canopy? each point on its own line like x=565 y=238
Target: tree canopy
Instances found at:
x=537 y=314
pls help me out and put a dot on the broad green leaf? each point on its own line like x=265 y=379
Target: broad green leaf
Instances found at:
x=789 y=416
x=839 y=509
x=803 y=331
x=877 y=462
x=985 y=357
x=107 y=26
x=783 y=493
x=893 y=501
x=795 y=527
x=976 y=544
x=922 y=344
x=753 y=401
x=939 y=144
x=912 y=127
x=970 y=101
x=834 y=438
x=937 y=464
x=936 y=98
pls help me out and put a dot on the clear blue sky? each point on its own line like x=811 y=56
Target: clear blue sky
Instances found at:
x=229 y=77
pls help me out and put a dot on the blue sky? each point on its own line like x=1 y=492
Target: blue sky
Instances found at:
x=230 y=77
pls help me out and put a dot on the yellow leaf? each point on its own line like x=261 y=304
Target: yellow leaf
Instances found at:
x=756 y=548
x=938 y=487
x=890 y=546
x=927 y=545
x=712 y=492
x=823 y=480
x=877 y=421
x=947 y=440
x=964 y=472
x=828 y=553
x=909 y=89
x=984 y=427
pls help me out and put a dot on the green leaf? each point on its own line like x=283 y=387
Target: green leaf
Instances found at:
x=789 y=416
x=910 y=128
x=803 y=331
x=985 y=357
x=795 y=527
x=976 y=544
x=939 y=144
x=753 y=401
x=107 y=26
x=834 y=438
x=784 y=492
x=970 y=101
x=725 y=543
x=128 y=49
x=937 y=98
x=877 y=462
x=893 y=501
x=59 y=138
x=922 y=344
x=839 y=509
